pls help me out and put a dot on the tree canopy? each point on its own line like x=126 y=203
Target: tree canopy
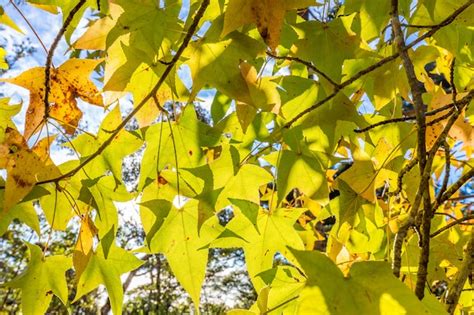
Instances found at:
x=334 y=137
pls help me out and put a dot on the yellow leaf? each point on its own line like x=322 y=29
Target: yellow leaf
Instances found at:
x=268 y=15
x=461 y=130
x=84 y=243
x=25 y=167
x=95 y=36
x=69 y=81
x=263 y=92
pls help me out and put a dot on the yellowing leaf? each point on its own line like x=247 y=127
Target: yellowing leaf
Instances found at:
x=268 y=15
x=461 y=130
x=84 y=243
x=96 y=34
x=69 y=81
x=43 y=277
x=24 y=166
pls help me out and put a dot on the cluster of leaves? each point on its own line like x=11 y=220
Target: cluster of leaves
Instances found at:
x=361 y=117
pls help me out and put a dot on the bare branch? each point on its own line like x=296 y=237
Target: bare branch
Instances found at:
x=464 y=101
x=402 y=173
x=447 y=170
x=454 y=188
x=454 y=291
x=423 y=189
x=29 y=25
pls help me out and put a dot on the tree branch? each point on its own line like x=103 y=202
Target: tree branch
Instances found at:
x=402 y=173
x=451 y=224
x=423 y=189
x=447 y=170
x=454 y=292
x=464 y=101
x=454 y=188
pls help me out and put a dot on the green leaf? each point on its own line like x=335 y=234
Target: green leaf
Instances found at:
x=370 y=288
x=25 y=212
x=43 y=277
x=298 y=170
x=285 y=283
x=7 y=112
x=335 y=42
x=179 y=240
x=244 y=185
x=190 y=136
x=216 y=63
x=107 y=271
x=273 y=234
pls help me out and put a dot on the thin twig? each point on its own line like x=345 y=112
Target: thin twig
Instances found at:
x=447 y=170
x=29 y=25
x=280 y=305
x=453 y=86
x=417 y=25
x=451 y=224
x=49 y=58
x=454 y=188
x=402 y=173
x=307 y=64
x=461 y=197
x=465 y=100
x=440 y=118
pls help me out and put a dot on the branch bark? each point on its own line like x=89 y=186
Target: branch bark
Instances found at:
x=454 y=292
x=423 y=188
x=465 y=100
x=451 y=224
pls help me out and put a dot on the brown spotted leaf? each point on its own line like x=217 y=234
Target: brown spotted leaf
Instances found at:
x=68 y=82
x=25 y=166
